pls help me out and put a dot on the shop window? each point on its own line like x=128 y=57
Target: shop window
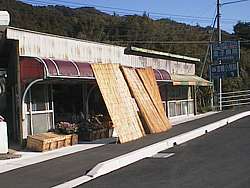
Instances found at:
x=39 y=98
x=180 y=101
x=177 y=92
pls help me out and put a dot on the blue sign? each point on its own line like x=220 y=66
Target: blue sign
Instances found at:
x=224 y=70
x=226 y=52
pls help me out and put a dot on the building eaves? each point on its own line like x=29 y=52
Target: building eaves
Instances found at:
x=157 y=54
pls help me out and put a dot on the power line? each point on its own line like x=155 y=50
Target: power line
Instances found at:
x=185 y=19
x=170 y=42
x=160 y=42
x=210 y=40
x=125 y=11
x=208 y=47
x=232 y=2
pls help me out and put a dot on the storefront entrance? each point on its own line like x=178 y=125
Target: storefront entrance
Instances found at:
x=38 y=107
x=68 y=102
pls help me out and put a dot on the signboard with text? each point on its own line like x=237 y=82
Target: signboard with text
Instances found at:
x=224 y=70
x=225 y=52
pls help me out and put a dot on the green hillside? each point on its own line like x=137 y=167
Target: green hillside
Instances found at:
x=90 y=24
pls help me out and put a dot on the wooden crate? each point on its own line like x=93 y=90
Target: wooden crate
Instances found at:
x=68 y=140
x=49 y=141
x=74 y=139
x=71 y=139
x=93 y=135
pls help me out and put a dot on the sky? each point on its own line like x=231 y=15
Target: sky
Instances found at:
x=193 y=12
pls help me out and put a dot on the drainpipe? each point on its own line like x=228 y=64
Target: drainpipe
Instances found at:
x=195 y=100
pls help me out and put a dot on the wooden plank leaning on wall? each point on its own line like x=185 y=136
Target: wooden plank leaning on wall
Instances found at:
x=155 y=122
x=149 y=81
x=119 y=102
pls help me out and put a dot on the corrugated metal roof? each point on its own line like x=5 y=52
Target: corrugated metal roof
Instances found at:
x=44 y=45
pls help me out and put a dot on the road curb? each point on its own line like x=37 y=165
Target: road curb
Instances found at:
x=148 y=151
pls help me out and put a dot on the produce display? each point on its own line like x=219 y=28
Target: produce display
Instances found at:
x=67 y=128
x=96 y=127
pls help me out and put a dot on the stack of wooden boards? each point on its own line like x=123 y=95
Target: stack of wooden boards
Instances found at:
x=50 y=141
x=119 y=102
x=132 y=97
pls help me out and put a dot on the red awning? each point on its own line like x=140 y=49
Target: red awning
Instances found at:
x=32 y=68
x=162 y=75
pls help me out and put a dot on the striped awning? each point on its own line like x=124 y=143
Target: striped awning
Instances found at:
x=162 y=75
x=191 y=80
x=32 y=68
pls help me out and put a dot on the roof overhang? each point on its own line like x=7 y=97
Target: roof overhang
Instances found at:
x=157 y=54
x=191 y=80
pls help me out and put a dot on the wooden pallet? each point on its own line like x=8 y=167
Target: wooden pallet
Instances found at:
x=50 y=141
x=120 y=105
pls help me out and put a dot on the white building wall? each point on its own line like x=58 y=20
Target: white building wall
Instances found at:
x=51 y=46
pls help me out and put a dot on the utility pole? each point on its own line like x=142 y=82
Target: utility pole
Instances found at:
x=219 y=5
x=219 y=41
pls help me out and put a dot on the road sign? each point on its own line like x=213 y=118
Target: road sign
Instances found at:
x=224 y=70
x=226 y=51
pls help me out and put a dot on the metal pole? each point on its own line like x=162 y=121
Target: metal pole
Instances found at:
x=219 y=41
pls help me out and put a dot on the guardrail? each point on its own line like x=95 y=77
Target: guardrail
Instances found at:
x=235 y=98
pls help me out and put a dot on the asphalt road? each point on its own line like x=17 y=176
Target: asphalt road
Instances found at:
x=219 y=159
x=66 y=168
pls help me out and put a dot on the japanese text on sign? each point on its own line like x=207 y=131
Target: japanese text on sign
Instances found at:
x=224 y=70
x=227 y=51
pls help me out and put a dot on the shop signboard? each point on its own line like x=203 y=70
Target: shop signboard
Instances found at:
x=224 y=70
x=225 y=52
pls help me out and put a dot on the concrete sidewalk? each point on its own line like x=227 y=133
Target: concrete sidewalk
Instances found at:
x=25 y=158
x=69 y=167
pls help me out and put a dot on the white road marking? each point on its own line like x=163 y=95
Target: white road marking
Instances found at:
x=162 y=155
x=134 y=156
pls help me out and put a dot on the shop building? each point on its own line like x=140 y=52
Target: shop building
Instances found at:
x=48 y=78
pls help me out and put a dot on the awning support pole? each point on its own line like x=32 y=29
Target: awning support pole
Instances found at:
x=195 y=100
x=23 y=99
x=25 y=93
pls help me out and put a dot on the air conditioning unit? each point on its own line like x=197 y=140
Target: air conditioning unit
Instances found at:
x=4 y=20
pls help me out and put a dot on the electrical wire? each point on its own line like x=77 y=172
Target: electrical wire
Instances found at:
x=141 y=42
x=126 y=11
x=160 y=42
x=208 y=47
x=233 y=2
